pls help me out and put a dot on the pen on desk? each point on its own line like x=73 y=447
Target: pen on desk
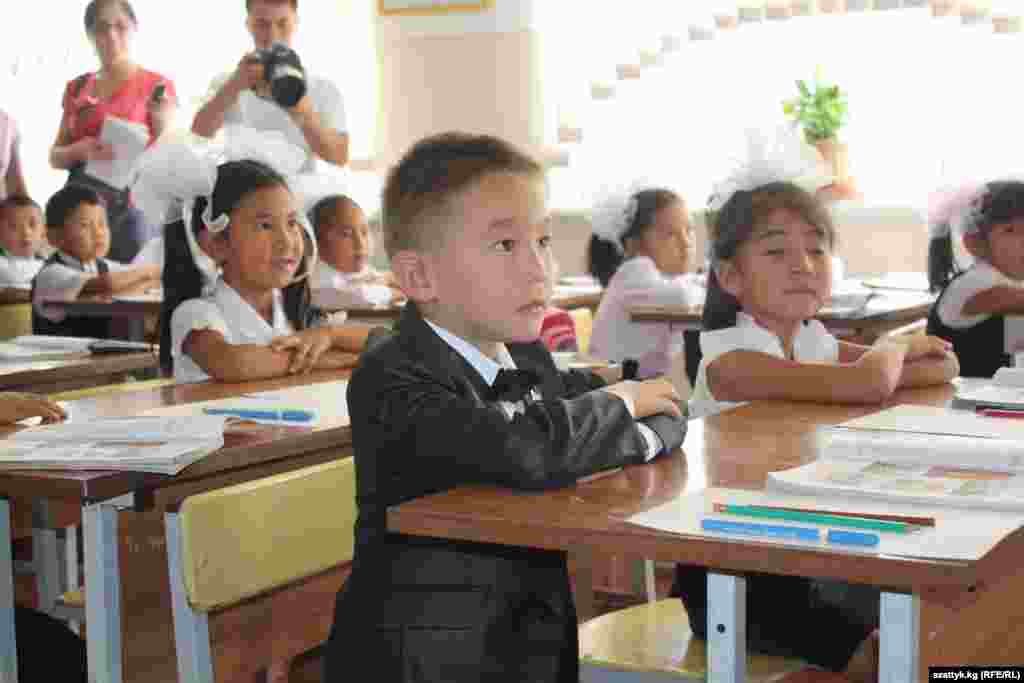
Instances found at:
x=278 y=415
x=906 y=519
x=780 y=531
x=859 y=538
x=813 y=517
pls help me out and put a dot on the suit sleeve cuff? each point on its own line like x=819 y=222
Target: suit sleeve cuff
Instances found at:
x=653 y=441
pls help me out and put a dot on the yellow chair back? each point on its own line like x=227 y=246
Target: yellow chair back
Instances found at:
x=248 y=539
x=15 y=320
x=583 y=321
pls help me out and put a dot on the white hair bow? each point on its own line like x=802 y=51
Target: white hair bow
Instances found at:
x=615 y=208
x=772 y=156
x=183 y=168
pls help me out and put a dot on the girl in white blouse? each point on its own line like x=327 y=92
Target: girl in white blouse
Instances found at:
x=971 y=309
x=640 y=251
x=771 y=249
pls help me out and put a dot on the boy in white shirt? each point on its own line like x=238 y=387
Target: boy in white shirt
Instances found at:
x=21 y=235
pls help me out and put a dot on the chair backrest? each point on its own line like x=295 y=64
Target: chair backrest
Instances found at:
x=15 y=320
x=248 y=539
x=583 y=321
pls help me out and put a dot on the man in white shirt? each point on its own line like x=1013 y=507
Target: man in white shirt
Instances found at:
x=316 y=122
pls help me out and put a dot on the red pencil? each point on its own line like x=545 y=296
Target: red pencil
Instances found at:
x=1001 y=412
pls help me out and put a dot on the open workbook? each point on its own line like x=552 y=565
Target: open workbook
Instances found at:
x=164 y=445
x=1004 y=390
x=918 y=454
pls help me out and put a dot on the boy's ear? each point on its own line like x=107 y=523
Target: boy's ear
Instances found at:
x=976 y=246
x=414 y=274
x=729 y=277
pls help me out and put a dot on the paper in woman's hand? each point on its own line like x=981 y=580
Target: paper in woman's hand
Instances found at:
x=128 y=141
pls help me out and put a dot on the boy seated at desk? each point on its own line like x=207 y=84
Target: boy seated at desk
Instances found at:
x=21 y=236
x=344 y=276
x=76 y=225
x=463 y=392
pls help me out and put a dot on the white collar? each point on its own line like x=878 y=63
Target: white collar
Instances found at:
x=241 y=316
x=487 y=367
x=68 y=258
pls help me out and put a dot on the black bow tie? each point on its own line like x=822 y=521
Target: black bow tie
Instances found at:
x=513 y=385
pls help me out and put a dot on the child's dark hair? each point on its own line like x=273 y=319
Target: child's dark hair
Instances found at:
x=604 y=257
x=181 y=277
x=329 y=203
x=734 y=224
x=1002 y=201
x=435 y=169
x=68 y=198
x=92 y=12
x=18 y=201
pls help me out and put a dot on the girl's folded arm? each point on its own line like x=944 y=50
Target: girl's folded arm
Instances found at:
x=226 y=362
x=995 y=301
x=751 y=375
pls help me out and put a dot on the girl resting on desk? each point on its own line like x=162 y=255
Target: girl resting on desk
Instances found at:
x=643 y=244
x=771 y=246
x=974 y=301
x=253 y=320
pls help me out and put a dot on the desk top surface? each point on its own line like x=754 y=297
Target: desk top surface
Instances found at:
x=26 y=372
x=736 y=449
x=246 y=445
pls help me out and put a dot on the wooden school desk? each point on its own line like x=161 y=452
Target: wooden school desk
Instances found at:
x=932 y=611
x=15 y=295
x=249 y=453
x=76 y=372
x=131 y=315
x=883 y=312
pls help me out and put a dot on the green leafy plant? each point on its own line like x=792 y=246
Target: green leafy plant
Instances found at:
x=820 y=111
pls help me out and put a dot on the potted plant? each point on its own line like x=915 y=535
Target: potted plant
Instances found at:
x=821 y=110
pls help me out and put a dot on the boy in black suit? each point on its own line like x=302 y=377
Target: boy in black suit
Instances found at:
x=434 y=406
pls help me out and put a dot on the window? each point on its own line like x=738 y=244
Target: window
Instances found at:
x=932 y=100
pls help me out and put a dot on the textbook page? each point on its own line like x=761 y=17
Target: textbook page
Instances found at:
x=128 y=141
x=914 y=419
x=957 y=535
x=326 y=400
x=138 y=444
x=1004 y=390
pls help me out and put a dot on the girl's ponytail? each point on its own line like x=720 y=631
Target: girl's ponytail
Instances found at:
x=941 y=263
x=181 y=279
x=604 y=258
x=720 y=307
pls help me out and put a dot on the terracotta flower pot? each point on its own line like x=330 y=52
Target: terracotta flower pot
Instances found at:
x=835 y=154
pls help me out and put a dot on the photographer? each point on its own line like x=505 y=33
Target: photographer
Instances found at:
x=316 y=122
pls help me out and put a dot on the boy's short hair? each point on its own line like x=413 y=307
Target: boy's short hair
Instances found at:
x=293 y=3
x=18 y=201
x=68 y=198
x=431 y=172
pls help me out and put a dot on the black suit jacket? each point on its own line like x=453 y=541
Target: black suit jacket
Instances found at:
x=429 y=609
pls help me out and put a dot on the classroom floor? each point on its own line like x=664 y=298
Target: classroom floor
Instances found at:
x=150 y=650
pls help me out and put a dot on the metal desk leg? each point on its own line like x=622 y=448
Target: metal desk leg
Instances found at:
x=45 y=555
x=727 y=628
x=103 y=593
x=899 y=656
x=8 y=649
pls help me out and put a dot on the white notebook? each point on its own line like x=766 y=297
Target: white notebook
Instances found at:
x=128 y=140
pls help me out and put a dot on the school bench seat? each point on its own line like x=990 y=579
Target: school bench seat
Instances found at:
x=15 y=320
x=653 y=643
x=254 y=569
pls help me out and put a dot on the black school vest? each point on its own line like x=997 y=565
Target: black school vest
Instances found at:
x=71 y=326
x=980 y=348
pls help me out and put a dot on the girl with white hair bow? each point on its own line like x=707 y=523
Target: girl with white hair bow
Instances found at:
x=242 y=311
x=642 y=247
x=988 y=220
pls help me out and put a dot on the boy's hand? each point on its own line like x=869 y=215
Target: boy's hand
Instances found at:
x=249 y=73
x=650 y=397
x=16 y=406
x=306 y=348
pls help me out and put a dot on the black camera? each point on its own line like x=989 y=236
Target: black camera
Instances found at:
x=283 y=72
